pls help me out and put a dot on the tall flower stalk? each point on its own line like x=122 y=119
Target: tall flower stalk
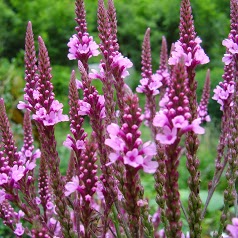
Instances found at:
x=189 y=48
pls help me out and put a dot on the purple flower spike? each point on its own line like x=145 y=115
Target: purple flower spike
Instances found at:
x=81 y=45
x=150 y=83
x=188 y=46
x=127 y=145
x=174 y=118
x=10 y=149
x=202 y=108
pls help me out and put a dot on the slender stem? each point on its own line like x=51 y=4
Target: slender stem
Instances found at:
x=215 y=182
x=184 y=211
x=115 y=219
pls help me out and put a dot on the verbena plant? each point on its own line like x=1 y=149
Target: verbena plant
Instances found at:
x=101 y=194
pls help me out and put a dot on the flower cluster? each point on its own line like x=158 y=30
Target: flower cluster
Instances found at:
x=118 y=64
x=174 y=118
x=223 y=93
x=52 y=116
x=191 y=58
x=232 y=48
x=152 y=85
x=128 y=147
x=84 y=48
x=203 y=105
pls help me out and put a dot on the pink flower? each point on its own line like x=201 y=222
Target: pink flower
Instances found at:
x=50 y=205
x=227 y=58
x=72 y=186
x=233 y=229
x=160 y=119
x=80 y=144
x=113 y=129
x=22 y=105
x=179 y=122
x=115 y=143
x=230 y=45
x=30 y=165
x=97 y=75
x=113 y=158
x=178 y=53
x=50 y=119
x=148 y=165
x=121 y=64
x=196 y=128
x=19 y=231
x=87 y=47
x=68 y=142
x=3 y=178
x=79 y=84
x=133 y=159
x=2 y=195
x=40 y=114
x=17 y=172
x=149 y=148
x=37 y=154
x=84 y=108
x=168 y=137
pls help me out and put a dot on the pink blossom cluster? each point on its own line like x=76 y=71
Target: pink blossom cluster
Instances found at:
x=232 y=49
x=85 y=48
x=173 y=125
x=139 y=157
x=223 y=93
x=52 y=116
x=13 y=217
x=118 y=64
x=150 y=85
x=161 y=234
x=203 y=113
x=191 y=57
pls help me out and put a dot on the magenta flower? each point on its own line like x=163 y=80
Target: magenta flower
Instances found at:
x=86 y=48
x=160 y=119
x=149 y=166
x=17 y=172
x=53 y=116
x=98 y=75
x=180 y=122
x=152 y=85
x=72 y=186
x=30 y=165
x=196 y=57
x=3 y=178
x=168 y=136
x=196 y=128
x=120 y=64
x=2 y=195
x=80 y=144
x=68 y=142
x=137 y=157
x=223 y=93
x=133 y=159
x=84 y=108
x=19 y=231
x=233 y=229
x=230 y=45
x=115 y=143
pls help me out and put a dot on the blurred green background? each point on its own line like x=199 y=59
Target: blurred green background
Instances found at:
x=54 y=21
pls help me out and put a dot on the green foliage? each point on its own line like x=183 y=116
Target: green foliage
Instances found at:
x=53 y=20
